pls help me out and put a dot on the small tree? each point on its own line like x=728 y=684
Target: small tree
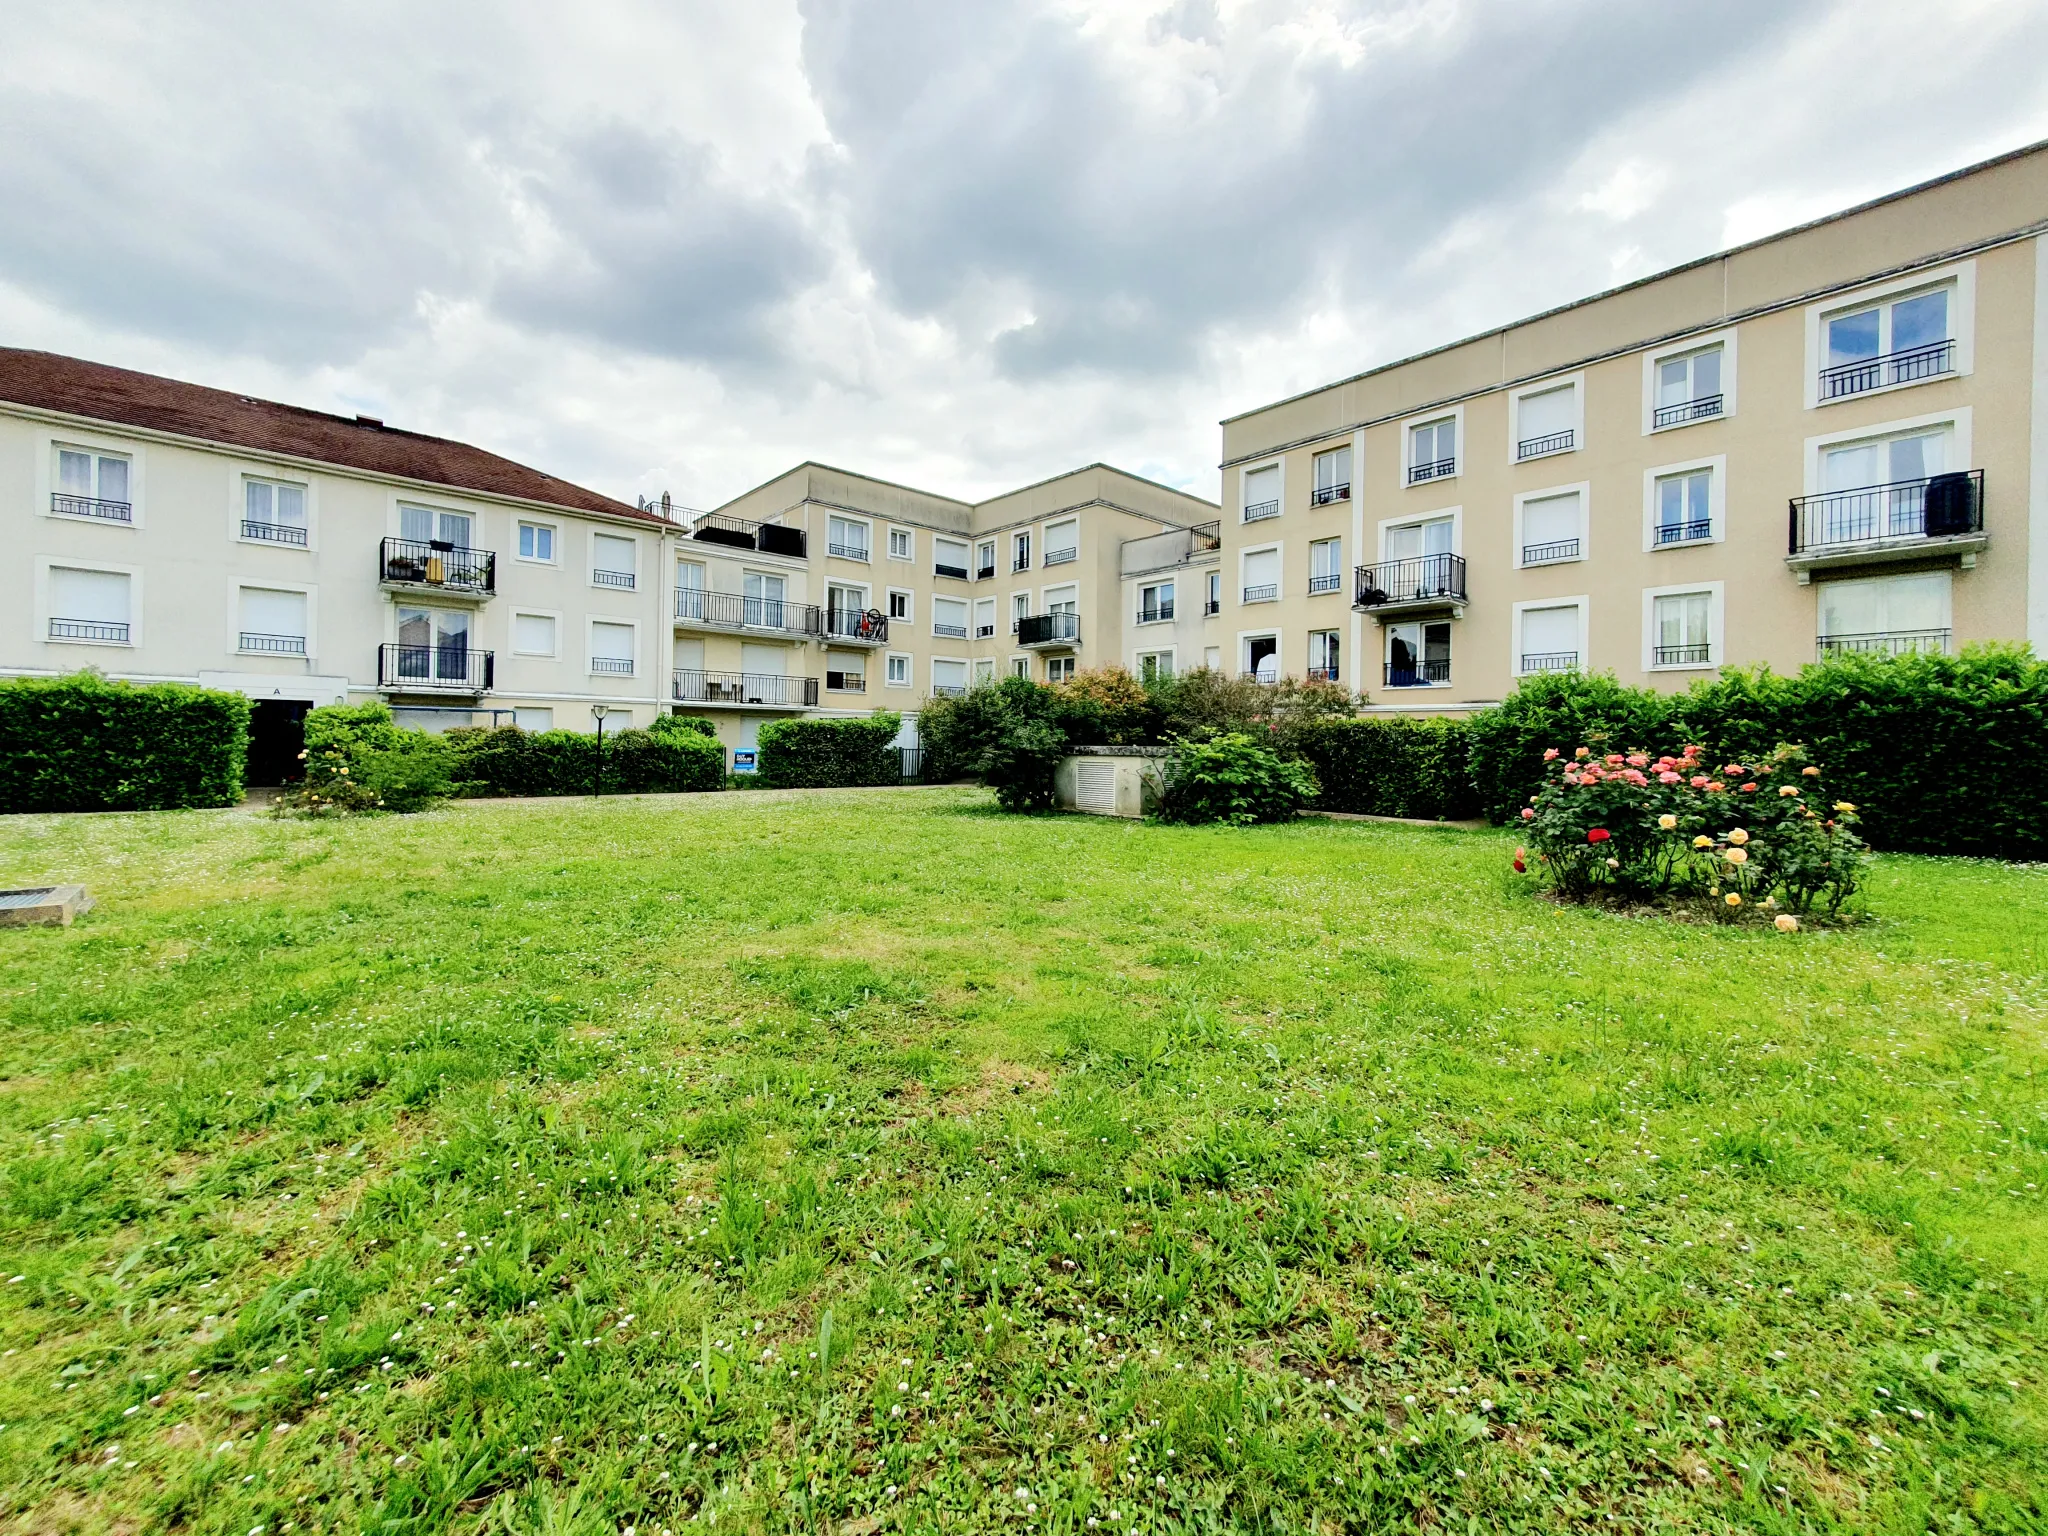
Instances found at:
x=1122 y=704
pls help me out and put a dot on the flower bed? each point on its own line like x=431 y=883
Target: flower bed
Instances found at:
x=1742 y=840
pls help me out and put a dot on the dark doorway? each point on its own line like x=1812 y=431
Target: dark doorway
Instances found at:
x=277 y=735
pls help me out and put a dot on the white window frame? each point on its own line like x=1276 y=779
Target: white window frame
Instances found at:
x=590 y=623
x=1872 y=578
x=889 y=660
x=544 y=613
x=909 y=535
x=591 y=574
x=995 y=549
x=1020 y=666
x=974 y=616
x=1047 y=596
x=984 y=671
x=1960 y=423
x=909 y=615
x=967 y=666
x=1456 y=414
x=1278 y=549
x=1717 y=649
x=967 y=616
x=1417 y=519
x=1584 y=491
x=1246 y=471
x=1026 y=536
x=234 y=645
x=1138 y=618
x=1582 y=602
x=1351 y=475
x=1717 y=502
x=1418 y=621
x=1313 y=545
x=1308 y=654
x=43 y=615
x=860 y=665
x=1047 y=534
x=1962 y=326
x=240 y=473
x=99 y=443
x=1066 y=665
x=1576 y=383
x=1245 y=637
x=555 y=529
x=939 y=540
x=1653 y=360
x=866 y=525
x=1139 y=658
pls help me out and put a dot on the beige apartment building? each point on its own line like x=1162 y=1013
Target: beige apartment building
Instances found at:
x=1832 y=439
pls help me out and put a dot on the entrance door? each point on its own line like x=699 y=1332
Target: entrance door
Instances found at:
x=277 y=735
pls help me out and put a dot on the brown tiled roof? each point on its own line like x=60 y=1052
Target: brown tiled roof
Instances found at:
x=79 y=388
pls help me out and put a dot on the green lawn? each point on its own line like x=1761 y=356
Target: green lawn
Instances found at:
x=867 y=1160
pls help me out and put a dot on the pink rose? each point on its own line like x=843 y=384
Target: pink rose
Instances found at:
x=1635 y=777
x=1583 y=752
x=1614 y=759
x=1527 y=814
x=1667 y=777
x=1749 y=788
x=1549 y=754
x=1699 y=781
x=1637 y=760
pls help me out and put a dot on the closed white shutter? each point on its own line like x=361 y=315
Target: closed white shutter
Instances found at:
x=1095 y=786
x=1262 y=569
x=764 y=660
x=96 y=597
x=611 y=642
x=1553 y=520
x=1549 y=413
x=608 y=552
x=1550 y=631
x=268 y=612
x=1261 y=488
x=949 y=674
x=533 y=633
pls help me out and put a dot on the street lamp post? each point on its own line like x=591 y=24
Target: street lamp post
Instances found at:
x=597 y=713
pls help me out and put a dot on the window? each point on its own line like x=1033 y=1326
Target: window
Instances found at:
x=902 y=544
x=846 y=538
x=1261 y=576
x=1418 y=655
x=690 y=599
x=1332 y=477
x=1020 y=666
x=433 y=647
x=949 y=558
x=272 y=623
x=1688 y=388
x=896 y=670
x=984 y=618
x=1879 y=489
x=1155 y=666
x=1553 y=528
x=845 y=679
x=899 y=604
x=1325 y=565
x=1684 y=507
x=274 y=512
x=1062 y=543
x=985 y=560
x=93 y=484
x=949 y=617
x=1682 y=626
x=985 y=670
x=531 y=719
x=761 y=603
x=1549 y=638
x=1020 y=609
x=1546 y=422
x=1429 y=539
x=1262 y=494
x=533 y=634
x=1899 y=341
x=1020 y=551
x=90 y=607
x=1433 y=450
x=612 y=561
x=611 y=648
x=1212 y=658
x=537 y=542
x=1215 y=600
x=1059 y=669
x=1155 y=603
x=948 y=677
x=425 y=525
x=1262 y=657
x=1063 y=600
x=1888 y=614
x=1324 y=657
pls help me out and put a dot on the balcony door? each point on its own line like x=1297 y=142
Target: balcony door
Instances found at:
x=423 y=525
x=1418 y=654
x=433 y=645
x=763 y=605
x=1894 y=472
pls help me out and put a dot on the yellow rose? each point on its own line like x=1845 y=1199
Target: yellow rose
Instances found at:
x=1787 y=789
x=1732 y=899
x=1811 y=773
x=1737 y=855
x=1843 y=805
x=1787 y=923
x=1703 y=841
x=1738 y=837
x=1667 y=821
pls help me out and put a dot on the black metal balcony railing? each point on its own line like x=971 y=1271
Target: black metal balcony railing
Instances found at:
x=1161 y=614
x=984 y=573
x=438 y=564
x=272 y=645
x=1264 y=592
x=1417 y=674
x=1323 y=495
x=1322 y=674
x=1049 y=629
x=949 y=690
x=731 y=610
x=739 y=533
x=846 y=551
x=611 y=666
x=949 y=631
x=770 y=688
x=87 y=506
x=1549 y=553
x=867 y=626
x=984 y=631
x=1686 y=410
x=1902 y=367
x=1550 y=442
x=1259 y=511
x=1332 y=581
x=1062 y=556
x=957 y=572
x=1213 y=605
x=1549 y=661
x=1020 y=563
x=104 y=631
x=1897 y=642
x=1682 y=655
x=612 y=579
x=1436 y=469
x=274 y=533
x=1939 y=507
x=455 y=668
x=1418 y=579
x=1689 y=531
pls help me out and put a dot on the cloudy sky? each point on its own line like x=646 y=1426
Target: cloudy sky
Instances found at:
x=682 y=244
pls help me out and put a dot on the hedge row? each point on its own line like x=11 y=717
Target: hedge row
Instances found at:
x=829 y=754
x=1390 y=767
x=509 y=761
x=83 y=743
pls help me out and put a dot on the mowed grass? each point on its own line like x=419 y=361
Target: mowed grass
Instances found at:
x=870 y=1161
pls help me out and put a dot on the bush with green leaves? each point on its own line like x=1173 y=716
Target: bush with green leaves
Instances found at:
x=1564 y=710
x=828 y=753
x=1392 y=766
x=358 y=760
x=1234 y=778
x=671 y=726
x=84 y=743
x=509 y=761
x=1010 y=734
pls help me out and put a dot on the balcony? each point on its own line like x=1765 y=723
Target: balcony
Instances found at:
x=1162 y=614
x=253 y=644
x=1686 y=410
x=1549 y=661
x=760 y=690
x=434 y=565
x=698 y=609
x=738 y=533
x=1898 y=642
x=1681 y=655
x=87 y=506
x=1550 y=553
x=1264 y=592
x=1259 y=511
x=97 y=631
x=1323 y=495
x=621 y=579
x=1330 y=581
x=1550 y=442
x=1322 y=675
x=856 y=626
x=433 y=669
x=1418 y=674
x=1941 y=516
x=1436 y=469
x=1907 y=366
x=1418 y=584
x=1049 y=629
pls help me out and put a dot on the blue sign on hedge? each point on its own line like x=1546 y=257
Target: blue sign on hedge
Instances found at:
x=743 y=760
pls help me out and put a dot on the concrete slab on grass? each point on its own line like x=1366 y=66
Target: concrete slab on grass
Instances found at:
x=43 y=906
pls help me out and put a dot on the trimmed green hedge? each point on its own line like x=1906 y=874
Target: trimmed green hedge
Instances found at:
x=683 y=725
x=829 y=754
x=510 y=761
x=1390 y=767
x=83 y=743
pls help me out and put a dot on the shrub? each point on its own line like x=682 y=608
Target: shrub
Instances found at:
x=83 y=743
x=358 y=759
x=675 y=762
x=1011 y=734
x=1389 y=767
x=1205 y=702
x=1125 y=710
x=509 y=761
x=1557 y=709
x=666 y=726
x=817 y=754
x=1234 y=778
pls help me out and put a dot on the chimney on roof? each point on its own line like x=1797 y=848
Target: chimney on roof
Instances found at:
x=667 y=507
x=369 y=421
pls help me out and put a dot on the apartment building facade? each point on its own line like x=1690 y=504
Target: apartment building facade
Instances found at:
x=1832 y=439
